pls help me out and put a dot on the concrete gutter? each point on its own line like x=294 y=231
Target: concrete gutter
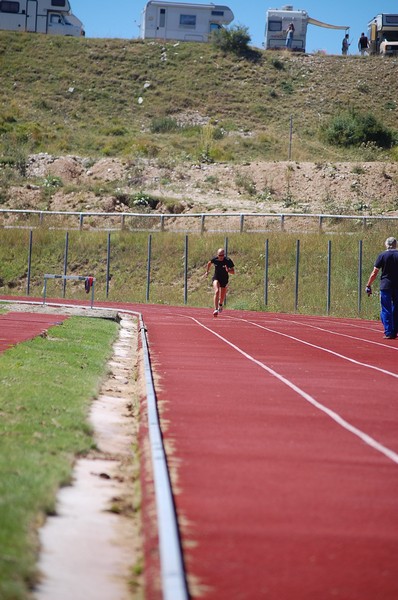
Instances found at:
x=174 y=585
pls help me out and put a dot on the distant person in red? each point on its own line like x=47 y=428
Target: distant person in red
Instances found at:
x=222 y=267
x=387 y=261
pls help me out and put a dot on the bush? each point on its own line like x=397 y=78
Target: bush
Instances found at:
x=163 y=125
x=234 y=39
x=354 y=129
x=278 y=64
x=142 y=200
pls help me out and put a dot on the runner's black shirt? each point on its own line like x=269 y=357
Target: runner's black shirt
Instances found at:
x=220 y=273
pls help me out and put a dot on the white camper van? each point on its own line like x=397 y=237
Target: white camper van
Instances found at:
x=182 y=21
x=383 y=34
x=40 y=16
x=278 y=21
x=276 y=26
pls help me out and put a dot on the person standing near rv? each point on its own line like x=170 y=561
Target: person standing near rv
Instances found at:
x=222 y=267
x=289 y=36
x=387 y=261
x=345 y=45
x=363 y=44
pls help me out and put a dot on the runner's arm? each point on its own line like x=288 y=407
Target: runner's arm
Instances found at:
x=230 y=267
x=372 y=276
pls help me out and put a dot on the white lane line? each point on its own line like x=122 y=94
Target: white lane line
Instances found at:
x=367 y=439
x=351 y=337
x=347 y=358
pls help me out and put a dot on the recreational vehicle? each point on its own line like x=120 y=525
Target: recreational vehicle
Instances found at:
x=383 y=34
x=182 y=21
x=40 y=16
x=277 y=24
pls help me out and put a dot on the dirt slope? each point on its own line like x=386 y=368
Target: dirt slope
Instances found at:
x=335 y=188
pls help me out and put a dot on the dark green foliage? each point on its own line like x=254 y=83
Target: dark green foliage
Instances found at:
x=233 y=39
x=163 y=125
x=278 y=64
x=353 y=129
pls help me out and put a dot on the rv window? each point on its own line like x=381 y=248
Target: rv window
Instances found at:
x=188 y=21
x=390 y=20
x=55 y=19
x=162 y=17
x=60 y=3
x=274 y=25
x=9 y=7
x=217 y=13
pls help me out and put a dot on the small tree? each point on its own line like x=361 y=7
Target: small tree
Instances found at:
x=353 y=129
x=234 y=39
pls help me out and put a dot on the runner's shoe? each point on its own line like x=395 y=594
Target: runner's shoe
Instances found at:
x=220 y=308
x=215 y=314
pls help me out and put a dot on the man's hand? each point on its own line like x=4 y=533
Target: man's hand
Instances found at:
x=368 y=290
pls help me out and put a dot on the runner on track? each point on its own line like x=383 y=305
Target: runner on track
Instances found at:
x=387 y=261
x=223 y=266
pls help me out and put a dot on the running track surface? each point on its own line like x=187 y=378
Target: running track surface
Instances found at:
x=281 y=435
x=18 y=327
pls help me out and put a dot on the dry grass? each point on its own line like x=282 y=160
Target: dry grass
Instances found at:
x=67 y=95
x=128 y=268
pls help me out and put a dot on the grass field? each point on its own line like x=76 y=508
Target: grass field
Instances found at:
x=47 y=385
x=128 y=268
x=129 y=98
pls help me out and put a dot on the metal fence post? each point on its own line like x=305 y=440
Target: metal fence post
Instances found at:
x=296 y=289
x=65 y=263
x=92 y=294
x=359 y=276
x=29 y=262
x=226 y=255
x=108 y=262
x=242 y=223
x=266 y=273
x=148 y=271
x=44 y=290
x=186 y=270
x=329 y=276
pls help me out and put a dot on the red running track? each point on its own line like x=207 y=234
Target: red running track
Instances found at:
x=281 y=432
x=281 y=435
x=18 y=327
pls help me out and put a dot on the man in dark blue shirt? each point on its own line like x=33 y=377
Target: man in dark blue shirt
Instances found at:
x=222 y=267
x=387 y=261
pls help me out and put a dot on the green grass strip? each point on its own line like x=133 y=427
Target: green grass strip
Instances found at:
x=46 y=386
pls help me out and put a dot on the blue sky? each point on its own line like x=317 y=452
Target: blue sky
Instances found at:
x=121 y=18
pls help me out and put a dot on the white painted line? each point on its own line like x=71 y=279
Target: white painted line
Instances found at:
x=351 y=337
x=367 y=439
x=347 y=358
